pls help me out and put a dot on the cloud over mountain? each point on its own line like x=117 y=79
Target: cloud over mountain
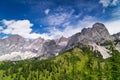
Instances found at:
x=20 y=27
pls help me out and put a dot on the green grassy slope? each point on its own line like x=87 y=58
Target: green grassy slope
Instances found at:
x=75 y=64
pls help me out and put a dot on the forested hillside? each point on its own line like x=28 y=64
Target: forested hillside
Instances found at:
x=75 y=64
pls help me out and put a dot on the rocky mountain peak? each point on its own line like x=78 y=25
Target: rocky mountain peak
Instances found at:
x=63 y=39
x=14 y=39
x=100 y=32
x=91 y=37
x=97 y=34
x=38 y=40
x=15 y=36
x=98 y=26
x=97 y=29
x=116 y=36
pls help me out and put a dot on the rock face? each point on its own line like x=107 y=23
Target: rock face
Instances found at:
x=63 y=41
x=117 y=40
x=10 y=44
x=91 y=36
x=117 y=46
x=97 y=34
x=16 y=48
x=116 y=36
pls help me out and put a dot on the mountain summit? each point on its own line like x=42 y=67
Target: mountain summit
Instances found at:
x=17 y=48
x=97 y=34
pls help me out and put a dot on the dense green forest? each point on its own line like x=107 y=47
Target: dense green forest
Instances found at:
x=75 y=64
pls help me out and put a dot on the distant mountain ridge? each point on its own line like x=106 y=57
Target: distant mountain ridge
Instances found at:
x=16 y=47
x=117 y=36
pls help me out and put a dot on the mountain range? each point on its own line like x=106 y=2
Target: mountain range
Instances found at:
x=97 y=38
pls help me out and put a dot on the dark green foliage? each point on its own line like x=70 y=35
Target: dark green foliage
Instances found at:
x=75 y=64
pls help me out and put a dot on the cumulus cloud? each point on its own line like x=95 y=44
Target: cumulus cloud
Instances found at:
x=17 y=27
x=20 y=27
x=8 y=22
x=47 y=11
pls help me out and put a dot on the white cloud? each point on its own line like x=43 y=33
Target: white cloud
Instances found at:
x=20 y=27
x=55 y=33
x=105 y=3
x=17 y=27
x=8 y=22
x=47 y=11
x=58 y=18
x=113 y=26
x=87 y=21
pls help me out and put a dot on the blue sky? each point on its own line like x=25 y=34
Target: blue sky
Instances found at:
x=55 y=18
